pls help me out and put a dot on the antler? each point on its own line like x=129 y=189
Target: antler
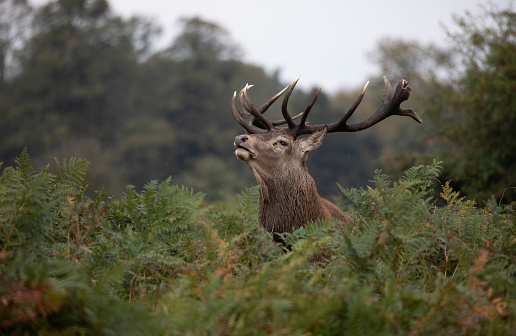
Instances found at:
x=254 y=118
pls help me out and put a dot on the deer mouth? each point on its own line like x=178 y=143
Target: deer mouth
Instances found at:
x=243 y=153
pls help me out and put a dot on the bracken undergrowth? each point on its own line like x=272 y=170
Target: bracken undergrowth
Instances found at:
x=161 y=261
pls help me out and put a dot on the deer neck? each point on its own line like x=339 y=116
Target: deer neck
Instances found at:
x=288 y=200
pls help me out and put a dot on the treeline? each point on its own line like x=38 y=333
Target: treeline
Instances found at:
x=78 y=80
x=87 y=83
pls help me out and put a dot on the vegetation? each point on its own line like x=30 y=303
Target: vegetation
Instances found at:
x=156 y=258
x=88 y=83
x=479 y=113
x=160 y=262
x=76 y=79
x=471 y=110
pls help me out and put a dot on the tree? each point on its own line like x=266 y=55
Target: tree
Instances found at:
x=77 y=84
x=14 y=27
x=203 y=40
x=472 y=113
x=419 y=64
x=187 y=128
x=477 y=119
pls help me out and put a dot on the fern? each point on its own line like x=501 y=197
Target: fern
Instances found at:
x=70 y=175
x=24 y=208
x=161 y=261
x=248 y=203
x=421 y=177
x=24 y=163
x=241 y=217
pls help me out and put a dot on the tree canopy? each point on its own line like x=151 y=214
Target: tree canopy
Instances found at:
x=90 y=84
x=83 y=81
x=476 y=119
x=472 y=110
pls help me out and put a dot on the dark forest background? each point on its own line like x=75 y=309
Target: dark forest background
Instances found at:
x=78 y=80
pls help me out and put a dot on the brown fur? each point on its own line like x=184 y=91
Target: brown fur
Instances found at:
x=288 y=196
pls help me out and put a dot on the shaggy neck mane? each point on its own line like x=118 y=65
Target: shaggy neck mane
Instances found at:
x=288 y=201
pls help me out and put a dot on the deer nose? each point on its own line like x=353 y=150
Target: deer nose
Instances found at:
x=240 y=139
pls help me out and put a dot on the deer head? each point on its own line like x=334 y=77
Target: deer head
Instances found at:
x=276 y=152
x=277 y=155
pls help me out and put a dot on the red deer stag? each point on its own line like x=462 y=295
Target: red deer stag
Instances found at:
x=277 y=156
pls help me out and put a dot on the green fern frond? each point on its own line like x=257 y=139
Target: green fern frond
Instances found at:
x=71 y=172
x=24 y=163
x=421 y=177
x=248 y=202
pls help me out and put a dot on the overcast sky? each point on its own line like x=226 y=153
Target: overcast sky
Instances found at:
x=326 y=41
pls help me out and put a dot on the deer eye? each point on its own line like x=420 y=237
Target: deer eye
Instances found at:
x=283 y=143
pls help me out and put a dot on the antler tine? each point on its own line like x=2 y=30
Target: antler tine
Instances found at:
x=401 y=94
x=308 y=108
x=283 y=122
x=284 y=110
x=343 y=120
x=243 y=119
x=249 y=106
x=271 y=101
x=388 y=91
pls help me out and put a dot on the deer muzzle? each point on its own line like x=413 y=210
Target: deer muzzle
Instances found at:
x=241 y=152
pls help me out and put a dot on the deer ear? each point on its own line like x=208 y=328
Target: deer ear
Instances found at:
x=314 y=140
